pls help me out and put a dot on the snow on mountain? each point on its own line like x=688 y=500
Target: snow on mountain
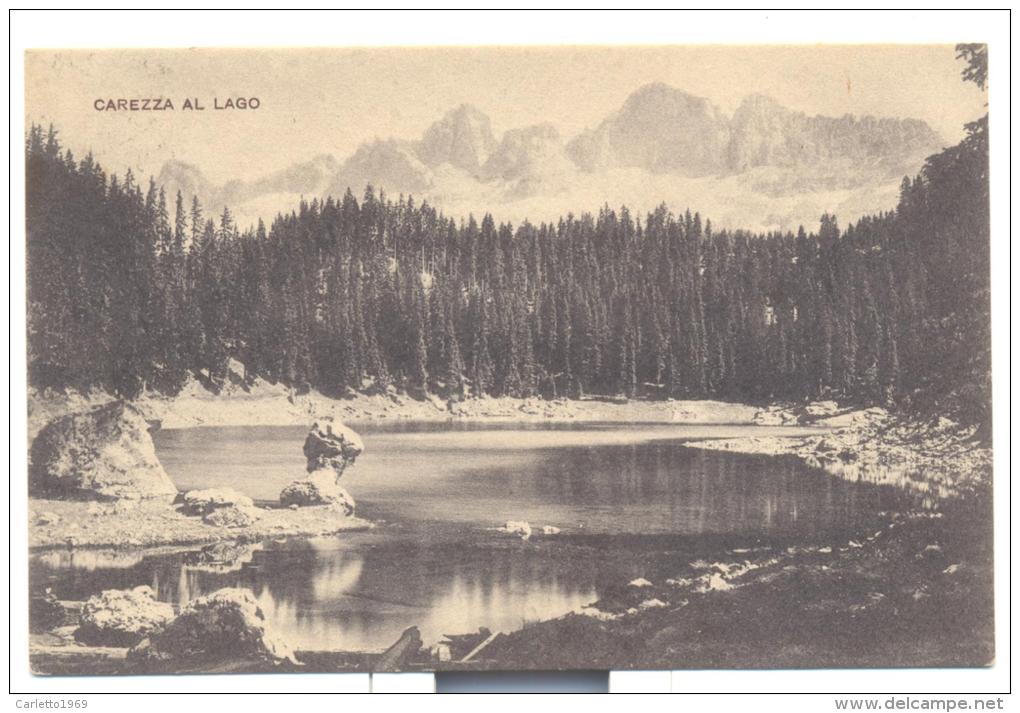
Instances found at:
x=764 y=167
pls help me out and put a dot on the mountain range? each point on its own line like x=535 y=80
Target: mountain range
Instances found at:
x=763 y=167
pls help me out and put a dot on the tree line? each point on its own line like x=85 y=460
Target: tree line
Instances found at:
x=131 y=289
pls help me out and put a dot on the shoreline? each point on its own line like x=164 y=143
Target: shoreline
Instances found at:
x=932 y=557
x=265 y=404
x=916 y=592
x=55 y=524
x=937 y=460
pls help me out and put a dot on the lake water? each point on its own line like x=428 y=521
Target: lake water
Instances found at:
x=623 y=496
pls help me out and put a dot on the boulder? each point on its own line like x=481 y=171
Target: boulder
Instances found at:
x=319 y=488
x=225 y=625
x=122 y=617
x=103 y=454
x=232 y=516
x=201 y=502
x=330 y=444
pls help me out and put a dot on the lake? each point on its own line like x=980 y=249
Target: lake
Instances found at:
x=623 y=496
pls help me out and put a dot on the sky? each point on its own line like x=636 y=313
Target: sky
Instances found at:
x=328 y=101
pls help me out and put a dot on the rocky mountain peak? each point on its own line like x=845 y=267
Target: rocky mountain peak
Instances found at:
x=463 y=138
x=184 y=177
x=526 y=151
x=658 y=128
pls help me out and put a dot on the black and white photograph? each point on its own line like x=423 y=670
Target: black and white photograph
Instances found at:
x=508 y=358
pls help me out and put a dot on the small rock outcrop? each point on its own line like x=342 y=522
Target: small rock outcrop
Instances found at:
x=330 y=444
x=119 y=617
x=330 y=448
x=319 y=488
x=202 y=502
x=103 y=454
x=221 y=507
x=232 y=516
x=225 y=625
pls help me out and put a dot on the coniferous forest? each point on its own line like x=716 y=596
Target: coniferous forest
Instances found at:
x=132 y=289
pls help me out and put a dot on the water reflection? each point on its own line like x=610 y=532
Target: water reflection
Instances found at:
x=89 y=560
x=656 y=487
x=324 y=595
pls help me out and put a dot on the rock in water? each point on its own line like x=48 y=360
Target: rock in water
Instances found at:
x=330 y=444
x=119 y=617
x=225 y=625
x=521 y=528
x=330 y=447
x=201 y=502
x=319 y=488
x=104 y=454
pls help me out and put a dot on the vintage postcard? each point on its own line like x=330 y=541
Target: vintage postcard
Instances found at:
x=504 y=358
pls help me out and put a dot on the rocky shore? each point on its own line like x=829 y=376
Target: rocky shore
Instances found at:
x=914 y=592
x=95 y=481
x=935 y=457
